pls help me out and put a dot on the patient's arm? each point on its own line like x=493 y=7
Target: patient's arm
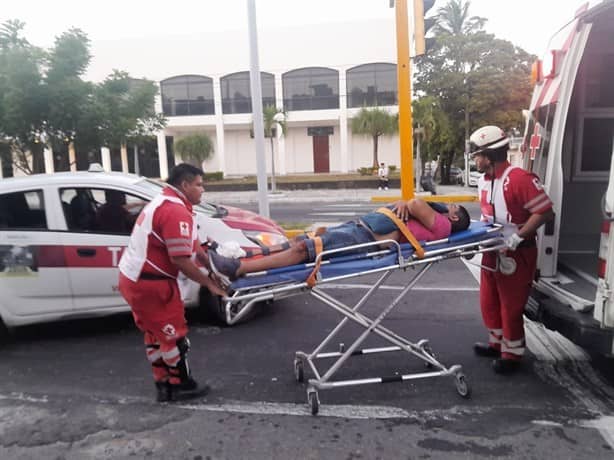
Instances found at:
x=416 y=209
x=422 y=212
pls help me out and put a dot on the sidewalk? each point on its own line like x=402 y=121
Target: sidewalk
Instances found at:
x=445 y=192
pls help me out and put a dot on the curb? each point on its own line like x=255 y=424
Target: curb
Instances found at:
x=293 y=233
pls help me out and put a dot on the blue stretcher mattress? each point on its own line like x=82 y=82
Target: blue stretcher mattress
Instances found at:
x=357 y=262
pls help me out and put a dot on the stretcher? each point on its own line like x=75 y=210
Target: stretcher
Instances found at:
x=363 y=259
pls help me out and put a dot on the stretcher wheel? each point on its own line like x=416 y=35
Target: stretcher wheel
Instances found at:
x=462 y=387
x=314 y=402
x=299 y=372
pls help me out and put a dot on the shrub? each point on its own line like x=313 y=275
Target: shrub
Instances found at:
x=366 y=171
x=217 y=175
x=392 y=168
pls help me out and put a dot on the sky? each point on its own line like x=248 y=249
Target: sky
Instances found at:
x=526 y=23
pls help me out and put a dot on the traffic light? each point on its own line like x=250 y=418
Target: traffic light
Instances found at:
x=422 y=24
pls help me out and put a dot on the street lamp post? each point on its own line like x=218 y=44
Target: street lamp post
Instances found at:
x=256 y=90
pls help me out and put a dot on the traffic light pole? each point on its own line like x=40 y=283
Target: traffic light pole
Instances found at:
x=404 y=95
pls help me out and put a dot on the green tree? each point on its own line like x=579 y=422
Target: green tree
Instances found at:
x=475 y=77
x=195 y=148
x=22 y=101
x=124 y=109
x=374 y=123
x=273 y=119
x=68 y=95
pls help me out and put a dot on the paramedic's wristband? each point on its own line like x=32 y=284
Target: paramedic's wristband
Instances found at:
x=513 y=241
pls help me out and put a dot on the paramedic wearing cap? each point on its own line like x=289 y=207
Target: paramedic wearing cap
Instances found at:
x=163 y=242
x=514 y=198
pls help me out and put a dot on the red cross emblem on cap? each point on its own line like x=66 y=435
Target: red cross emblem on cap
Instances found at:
x=535 y=142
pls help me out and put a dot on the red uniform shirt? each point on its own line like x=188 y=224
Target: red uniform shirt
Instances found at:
x=171 y=235
x=523 y=193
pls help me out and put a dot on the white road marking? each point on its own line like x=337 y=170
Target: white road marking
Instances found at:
x=349 y=205
x=400 y=288
x=335 y=214
x=605 y=425
x=24 y=397
x=328 y=410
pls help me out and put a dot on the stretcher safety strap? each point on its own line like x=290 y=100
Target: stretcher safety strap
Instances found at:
x=404 y=230
x=317 y=243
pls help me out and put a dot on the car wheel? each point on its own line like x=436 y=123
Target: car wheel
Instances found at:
x=212 y=310
x=4 y=333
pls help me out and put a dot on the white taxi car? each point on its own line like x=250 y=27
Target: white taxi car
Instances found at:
x=59 y=252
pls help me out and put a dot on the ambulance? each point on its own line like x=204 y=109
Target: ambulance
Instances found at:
x=568 y=143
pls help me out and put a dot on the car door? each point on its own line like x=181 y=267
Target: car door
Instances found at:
x=33 y=273
x=99 y=221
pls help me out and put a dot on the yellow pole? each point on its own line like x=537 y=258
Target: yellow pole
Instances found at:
x=404 y=95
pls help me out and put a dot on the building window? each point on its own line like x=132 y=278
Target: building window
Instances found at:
x=372 y=85
x=237 y=95
x=187 y=95
x=312 y=88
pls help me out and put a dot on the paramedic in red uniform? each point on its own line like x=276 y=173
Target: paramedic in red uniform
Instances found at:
x=514 y=198
x=163 y=242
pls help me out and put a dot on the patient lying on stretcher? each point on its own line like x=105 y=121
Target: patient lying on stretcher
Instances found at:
x=425 y=221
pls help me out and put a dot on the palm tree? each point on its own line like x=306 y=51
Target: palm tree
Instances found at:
x=374 y=122
x=453 y=19
x=194 y=148
x=272 y=119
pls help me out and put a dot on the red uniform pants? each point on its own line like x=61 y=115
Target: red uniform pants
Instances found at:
x=503 y=298
x=159 y=313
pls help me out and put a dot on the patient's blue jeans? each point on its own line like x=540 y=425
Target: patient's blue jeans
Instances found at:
x=340 y=236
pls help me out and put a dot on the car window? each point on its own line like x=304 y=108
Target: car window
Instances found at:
x=100 y=210
x=19 y=210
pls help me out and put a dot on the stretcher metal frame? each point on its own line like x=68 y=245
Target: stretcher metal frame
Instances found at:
x=244 y=298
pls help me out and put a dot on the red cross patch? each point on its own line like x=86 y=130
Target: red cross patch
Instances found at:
x=535 y=142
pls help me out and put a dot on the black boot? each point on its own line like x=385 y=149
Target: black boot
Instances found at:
x=190 y=389
x=163 y=393
x=485 y=350
x=505 y=366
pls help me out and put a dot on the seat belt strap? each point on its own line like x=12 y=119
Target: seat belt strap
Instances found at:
x=404 y=230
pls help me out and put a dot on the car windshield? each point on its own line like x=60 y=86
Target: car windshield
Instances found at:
x=154 y=187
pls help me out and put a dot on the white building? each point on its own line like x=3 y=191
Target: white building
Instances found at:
x=319 y=102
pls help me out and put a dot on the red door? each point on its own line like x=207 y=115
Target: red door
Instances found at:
x=321 y=162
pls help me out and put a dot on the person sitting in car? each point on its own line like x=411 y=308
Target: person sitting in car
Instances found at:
x=112 y=216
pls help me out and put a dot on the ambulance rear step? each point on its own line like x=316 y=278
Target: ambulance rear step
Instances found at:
x=579 y=327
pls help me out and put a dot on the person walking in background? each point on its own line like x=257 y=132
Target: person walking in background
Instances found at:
x=514 y=198
x=163 y=242
x=382 y=173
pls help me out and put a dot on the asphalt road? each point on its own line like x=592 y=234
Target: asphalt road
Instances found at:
x=82 y=390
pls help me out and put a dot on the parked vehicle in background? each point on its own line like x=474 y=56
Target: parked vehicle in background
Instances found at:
x=568 y=143
x=474 y=174
x=61 y=237
x=456 y=176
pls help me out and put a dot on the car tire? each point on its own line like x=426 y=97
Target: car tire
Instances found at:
x=211 y=310
x=5 y=334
